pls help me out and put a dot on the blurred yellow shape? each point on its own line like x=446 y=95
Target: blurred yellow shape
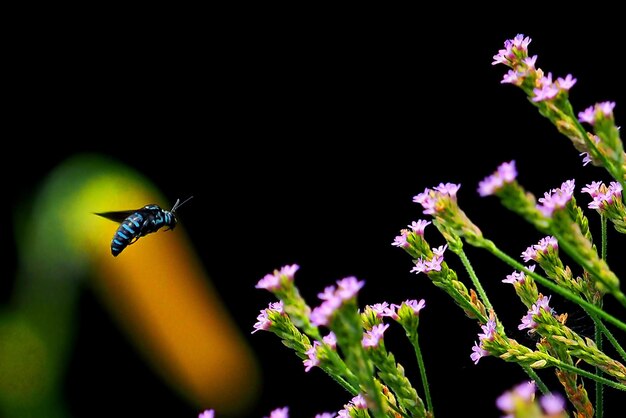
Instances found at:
x=156 y=288
x=163 y=296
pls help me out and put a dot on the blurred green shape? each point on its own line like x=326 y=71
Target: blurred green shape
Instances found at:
x=61 y=243
x=37 y=329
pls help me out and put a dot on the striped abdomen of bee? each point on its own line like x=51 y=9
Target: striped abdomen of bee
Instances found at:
x=137 y=223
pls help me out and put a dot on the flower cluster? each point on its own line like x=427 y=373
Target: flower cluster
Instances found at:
x=353 y=350
x=521 y=402
x=348 y=343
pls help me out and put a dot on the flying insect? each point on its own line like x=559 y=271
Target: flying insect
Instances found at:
x=137 y=223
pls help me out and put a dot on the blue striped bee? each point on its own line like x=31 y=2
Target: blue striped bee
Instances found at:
x=137 y=223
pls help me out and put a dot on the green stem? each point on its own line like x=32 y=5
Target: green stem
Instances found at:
x=346 y=324
x=462 y=301
x=604 y=237
x=535 y=377
x=398 y=411
x=553 y=287
x=609 y=336
x=343 y=382
x=607 y=163
x=599 y=329
x=599 y=386
x=599 y=325
x=422 y=368
x=475 y=281
x=584 y=263
x=574 y=369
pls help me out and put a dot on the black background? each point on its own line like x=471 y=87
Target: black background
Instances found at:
x=303 y=136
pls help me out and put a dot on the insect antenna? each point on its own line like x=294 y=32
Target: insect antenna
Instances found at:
x=178 y=204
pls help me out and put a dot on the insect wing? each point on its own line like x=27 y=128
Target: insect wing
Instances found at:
x=138 y=223
x=117 y=216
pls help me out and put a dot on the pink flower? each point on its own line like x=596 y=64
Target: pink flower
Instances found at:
x=372 y=337
x=280 y=413
x=505 y=173
x=274 y=281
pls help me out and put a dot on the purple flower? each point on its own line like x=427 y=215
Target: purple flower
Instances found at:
x=601 y=202
x=567 y=187
x=263 y=320
x=349 y=287
x=420 y=266
x=333 y=298
x=529 y=253
x=587 y=115
x=615 y=189
x=280 y=413
x=208 y=413
x=269 y=282
x=328 y=293
x=448 y=188
x=593 y=189
x=390 y=312
x=488 y=334
x=359 y=402
x=521 y=42
x=606 y=108
x=407 y=311
x=419 y=226
x=489 y=331
x=547 y=90
x=330 y=340
x=428 y=201
x=400 y=240
x=552 y=403
x=312 y=361
x=478 y=352
x=434 y=264
x=436 y=199
x=524 y=392
x=603 y=197
x=541 y=250
x=547 y=243
x=527 y=320
x=530 y=61
x=556 y=198
x=514 y=49
x=489 y=185
x=517 y=277
x=379 y=309
x=520 y=70
x=513 y=77
x=372 y=337
x=505 y=173
x=566 y=83
x=415 y=305
x=384 y=310
x=592 y=114
x=274 y=281
x=440 y=250
x=321 y=315
x=586 y=156
x=326 y=415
